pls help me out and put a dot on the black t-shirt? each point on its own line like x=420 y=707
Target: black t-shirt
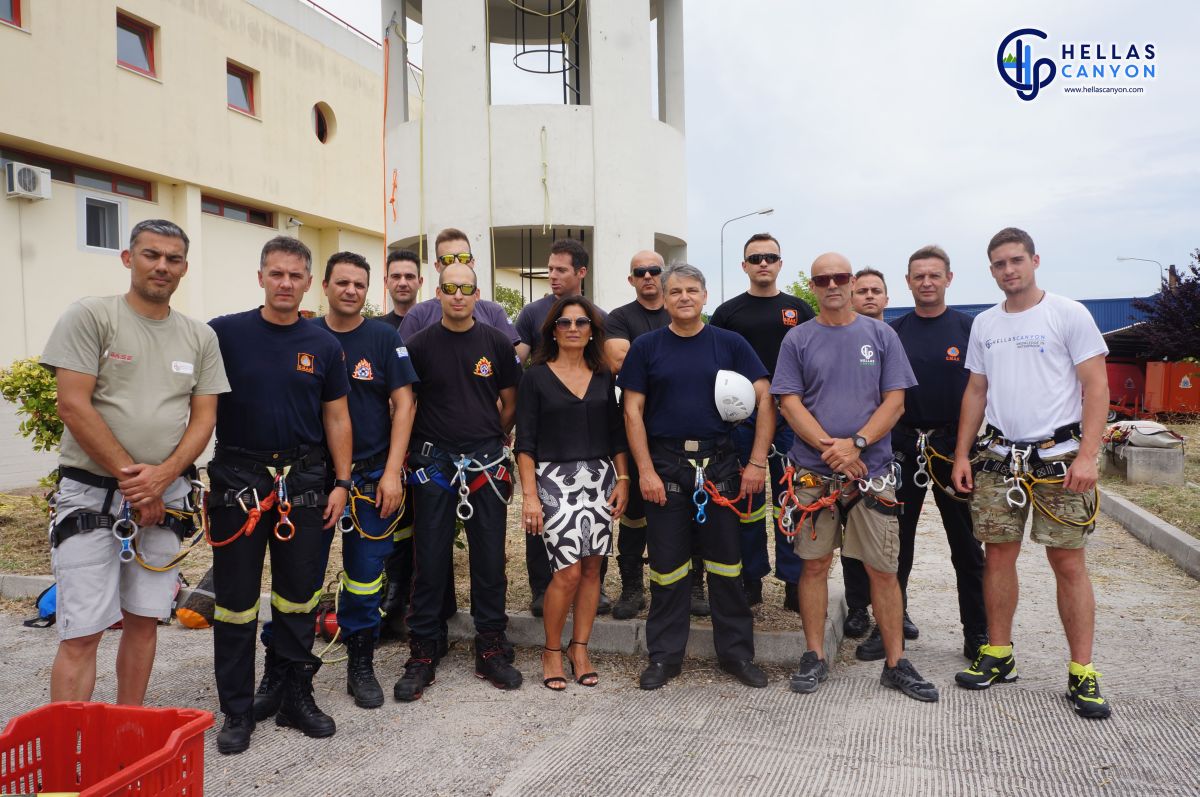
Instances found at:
x=629 y=321
x=391 y=319
x=678 y=375
x=937 y=352
x=763 y=321
x=462 y=374
x=555 y=425
x=279 y=377
x=533 y=315
x=377 y=363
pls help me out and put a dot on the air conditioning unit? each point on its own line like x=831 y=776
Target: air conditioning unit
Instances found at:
x=23 y=181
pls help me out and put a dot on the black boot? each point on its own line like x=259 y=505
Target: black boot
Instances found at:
x=234 y=736
x=493 y=661
x=393 y=608
x=270 y=689
x=700 y=607
x=632 y=599
x=298 y=709
x=360 y=670
x=419 y=670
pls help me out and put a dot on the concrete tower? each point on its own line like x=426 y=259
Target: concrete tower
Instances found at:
x=604 y=165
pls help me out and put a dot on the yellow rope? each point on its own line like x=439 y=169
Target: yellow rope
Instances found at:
x=542 y=14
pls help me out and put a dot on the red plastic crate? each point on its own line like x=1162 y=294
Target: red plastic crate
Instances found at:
x=98 y=750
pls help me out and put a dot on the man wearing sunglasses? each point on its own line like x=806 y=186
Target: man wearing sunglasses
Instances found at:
x=566 y=267
x=644 y=314
x=763 y=315
x=466 y=401
x=452 y=246
x=841 y=383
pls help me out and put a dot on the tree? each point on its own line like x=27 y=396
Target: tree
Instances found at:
x=1171 y=330
x=511 y=300
x=802 y=289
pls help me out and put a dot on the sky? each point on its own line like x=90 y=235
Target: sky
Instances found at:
x=876 y=127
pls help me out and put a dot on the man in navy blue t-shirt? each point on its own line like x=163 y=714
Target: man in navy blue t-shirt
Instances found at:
x=270 y=486
x=686 y=458
x=381 y=409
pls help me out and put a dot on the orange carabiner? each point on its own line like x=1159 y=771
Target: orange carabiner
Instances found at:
x=285 y=507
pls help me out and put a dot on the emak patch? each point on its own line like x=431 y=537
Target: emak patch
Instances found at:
x=363 y=370
x=483 y=367
x=790 y=317
x=953 y=354
x=306 y=362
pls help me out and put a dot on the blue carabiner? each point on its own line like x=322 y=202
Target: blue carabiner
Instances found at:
x=700 y=499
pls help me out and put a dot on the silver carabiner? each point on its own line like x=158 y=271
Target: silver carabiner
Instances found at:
x=464 y=510
x=345 y=523
x=122 y=524
x=1016 y=496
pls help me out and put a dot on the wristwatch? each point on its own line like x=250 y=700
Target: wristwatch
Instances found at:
x=345 y=484
x=860 y=442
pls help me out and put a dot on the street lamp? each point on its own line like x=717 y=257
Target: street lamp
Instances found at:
x=763 y=212
x=1161 y=278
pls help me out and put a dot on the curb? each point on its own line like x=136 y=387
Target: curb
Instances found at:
x=1183 y=549
x=626 y=637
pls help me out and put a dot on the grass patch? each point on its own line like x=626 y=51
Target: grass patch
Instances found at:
x=24 y=536
x=1178 y=505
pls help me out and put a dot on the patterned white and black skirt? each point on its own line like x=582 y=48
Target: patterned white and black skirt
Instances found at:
x=576 y=519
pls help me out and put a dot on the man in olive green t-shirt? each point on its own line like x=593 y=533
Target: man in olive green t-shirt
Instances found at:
x=137 y=393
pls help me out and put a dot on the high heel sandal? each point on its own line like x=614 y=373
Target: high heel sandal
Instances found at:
x=582 y=679
x=556 y=679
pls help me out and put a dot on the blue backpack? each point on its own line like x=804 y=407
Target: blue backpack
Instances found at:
x=47 y=606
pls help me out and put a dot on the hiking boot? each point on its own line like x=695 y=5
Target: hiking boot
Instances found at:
x=1083 y=690
x=700 y=607
x=753 y=589
x=361 y=682
x=910 y=628
x=632 y=599
x=870 y=649
x=857 y=624
x=987 y=669
x=418 y=670
x=972 y=642
x=270 y=689
x=493 y=661
x=810 y=675
x=604 y=605
x=393 y=609
x=791 y=597
x=905 y=677
x=234 y=736
x=298 y=709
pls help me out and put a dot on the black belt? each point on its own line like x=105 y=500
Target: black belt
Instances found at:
x=87 y=477
x=80 y=522
x=244 y=497
x=370 y=463
x=1045 y=470
x=299 y=458
x=1071 y=431
x=720 y=487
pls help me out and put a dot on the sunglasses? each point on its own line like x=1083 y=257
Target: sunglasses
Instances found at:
x=647 y=271
x=764 y=257
x=451 y=288
x=461 y=257
x=839 y=279
x=582 y=322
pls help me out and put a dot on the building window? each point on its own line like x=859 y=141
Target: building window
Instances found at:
x=135 y=45
x=237 y=212
x=84 y=176
x=324 y=123
x=10 y=12
x=239 y=87
x=100 y=222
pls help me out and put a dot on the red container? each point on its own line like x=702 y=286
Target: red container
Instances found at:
x=101 y=750
x=1126 y=383
x=1172 y=387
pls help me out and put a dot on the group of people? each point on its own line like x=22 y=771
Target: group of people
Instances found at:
x=648 y=424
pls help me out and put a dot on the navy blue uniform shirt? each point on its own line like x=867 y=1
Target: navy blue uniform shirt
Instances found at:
x=279 y=377
x=937 y=352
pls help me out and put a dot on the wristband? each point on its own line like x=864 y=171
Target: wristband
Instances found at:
x=762 y=465
x=622 y=478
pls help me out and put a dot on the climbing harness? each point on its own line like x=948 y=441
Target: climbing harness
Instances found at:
x=889 y=480
x=789 y=503
x=284 y=530
x=699 y=494
x=189 y=520
x=487 y=473
x=349 y=521
x=926 y=454
x=1023 y=471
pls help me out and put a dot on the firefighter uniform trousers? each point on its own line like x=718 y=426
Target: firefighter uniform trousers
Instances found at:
x=296 y=575
x=673 y=534
x=433 y=545
x=363 y=559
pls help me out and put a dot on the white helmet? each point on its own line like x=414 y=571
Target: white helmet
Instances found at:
x=734 y=396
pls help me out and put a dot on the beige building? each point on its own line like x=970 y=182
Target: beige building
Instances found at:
x=237 y=119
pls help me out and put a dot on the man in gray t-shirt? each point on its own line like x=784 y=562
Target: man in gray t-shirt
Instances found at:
x=137 y=394
x=841 y=379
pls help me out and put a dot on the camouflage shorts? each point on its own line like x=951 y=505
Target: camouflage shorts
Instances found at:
x=996 y=521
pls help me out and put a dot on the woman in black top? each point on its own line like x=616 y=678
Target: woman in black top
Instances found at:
x=574 y=474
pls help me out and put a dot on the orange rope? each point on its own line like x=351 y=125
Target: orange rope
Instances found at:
x=729 y=503
x=790 y=503
x=252 y=518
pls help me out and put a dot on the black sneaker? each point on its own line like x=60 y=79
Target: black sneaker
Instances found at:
x=910 y=628
x=419 y=670
x=234 y=736
x=905 y=677
x=870 y=649
x=753 y=589
x=857 y=624
x=810 y=675
x=493 y=661
x=1083 y=690
x=987 y=669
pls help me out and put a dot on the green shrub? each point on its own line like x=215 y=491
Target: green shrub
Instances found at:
x=35 y=392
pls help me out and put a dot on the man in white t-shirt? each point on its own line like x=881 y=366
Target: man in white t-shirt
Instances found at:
x=1030 y=359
